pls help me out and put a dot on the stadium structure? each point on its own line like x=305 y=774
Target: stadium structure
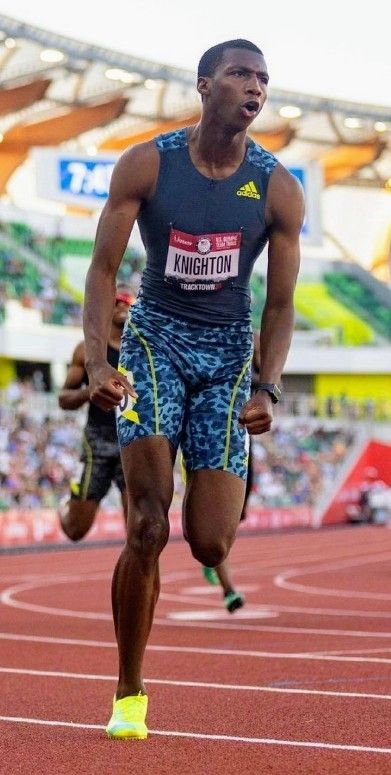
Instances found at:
x=69 y=108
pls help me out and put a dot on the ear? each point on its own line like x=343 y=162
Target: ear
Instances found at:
x=203 y=85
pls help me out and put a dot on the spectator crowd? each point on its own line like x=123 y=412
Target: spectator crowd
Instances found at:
x=40 y=445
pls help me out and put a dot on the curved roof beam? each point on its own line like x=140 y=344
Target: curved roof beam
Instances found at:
x=20 y=97
x=120 y=143
x=344 y=160
x=53 y=131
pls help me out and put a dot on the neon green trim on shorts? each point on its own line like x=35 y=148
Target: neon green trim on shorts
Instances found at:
x=183 y=469
x=230 y=412
x=88 y=469
x=153 y=374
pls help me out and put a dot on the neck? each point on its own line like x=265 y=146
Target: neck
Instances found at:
x=216 y=149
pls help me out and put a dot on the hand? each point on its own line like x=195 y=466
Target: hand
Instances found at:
x=108 y=386
x=257 y=414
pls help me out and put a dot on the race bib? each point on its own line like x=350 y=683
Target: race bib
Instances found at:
x=202 y=262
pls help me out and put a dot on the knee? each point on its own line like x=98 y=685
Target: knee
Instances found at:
x=148 y=529
x=74 y=532
x=210 y=553
x=74 y=526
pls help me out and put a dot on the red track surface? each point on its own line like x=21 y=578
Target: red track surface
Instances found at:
x=296 y=682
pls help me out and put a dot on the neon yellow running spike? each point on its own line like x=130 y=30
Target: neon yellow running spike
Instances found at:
x=128 y=718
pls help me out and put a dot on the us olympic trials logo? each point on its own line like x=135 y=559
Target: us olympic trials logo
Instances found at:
x=203 y=245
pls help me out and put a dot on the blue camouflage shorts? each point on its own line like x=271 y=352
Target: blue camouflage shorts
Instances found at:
x=192 y=381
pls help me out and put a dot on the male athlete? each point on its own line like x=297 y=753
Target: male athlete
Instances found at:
x=207 y=199
x=100 y=451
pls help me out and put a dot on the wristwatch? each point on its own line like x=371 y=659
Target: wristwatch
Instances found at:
x=273 y=390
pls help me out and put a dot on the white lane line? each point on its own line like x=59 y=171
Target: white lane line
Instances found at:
x=331 y=652
x=209 y=589
x=196 y=684
x=281 y=580
x=7 y=598
x=200 y=736
x=270 y=628
x=104 y=644
x=248 y=567
x=267 y=654
x=330 y=611
x=208 y=615
x=195 y=650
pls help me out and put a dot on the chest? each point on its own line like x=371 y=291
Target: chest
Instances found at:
x=190 y=202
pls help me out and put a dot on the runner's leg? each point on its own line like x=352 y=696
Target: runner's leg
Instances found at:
x=213 y=506
x=148 y=465
x=77 y=516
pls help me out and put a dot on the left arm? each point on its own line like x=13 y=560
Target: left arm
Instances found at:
x=285 y=211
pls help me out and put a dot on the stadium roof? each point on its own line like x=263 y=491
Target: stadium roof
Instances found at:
x=56 y=90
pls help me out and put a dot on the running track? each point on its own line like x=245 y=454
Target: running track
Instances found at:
x=297 y=682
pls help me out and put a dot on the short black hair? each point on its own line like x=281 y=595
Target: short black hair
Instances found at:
x=213 y=56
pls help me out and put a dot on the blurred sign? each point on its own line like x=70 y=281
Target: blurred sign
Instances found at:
x=73 y=179
x=84 y=181
x=309 y=175
x=85 y=177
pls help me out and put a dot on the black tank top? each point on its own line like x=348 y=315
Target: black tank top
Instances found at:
x=97 y=417
x=202 y=236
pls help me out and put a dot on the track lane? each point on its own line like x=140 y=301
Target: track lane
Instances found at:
x=283 y=720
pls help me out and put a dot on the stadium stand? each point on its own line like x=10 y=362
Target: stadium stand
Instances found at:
x=31 y=270
x=362 y=298
x=314 y=302
x=39 y=449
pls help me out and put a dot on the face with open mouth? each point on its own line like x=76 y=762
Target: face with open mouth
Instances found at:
x=239 y=86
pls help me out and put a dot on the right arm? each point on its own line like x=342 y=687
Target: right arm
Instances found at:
x=132 y=182
x=75 y=392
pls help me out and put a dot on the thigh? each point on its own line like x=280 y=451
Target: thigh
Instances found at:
x=95 y=478
x=148 y=469
x=212 y=506
x=159 y=408
x=118 y=473
x=212 y=437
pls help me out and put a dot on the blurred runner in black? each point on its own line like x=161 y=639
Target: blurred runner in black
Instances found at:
x=100 y=456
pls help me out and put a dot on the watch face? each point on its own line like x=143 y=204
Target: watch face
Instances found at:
x=277 y=392
x=273 y=390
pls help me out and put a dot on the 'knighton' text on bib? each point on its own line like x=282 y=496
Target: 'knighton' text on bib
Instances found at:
x=202 y=262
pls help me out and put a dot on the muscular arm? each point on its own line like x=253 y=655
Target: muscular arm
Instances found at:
x=74 y=392
x=132 y=181
x=286 y=207
x=285 y=211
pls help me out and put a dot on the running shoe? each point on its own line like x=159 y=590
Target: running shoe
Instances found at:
x=128 y=719
x=210 y=575
x=233 y=601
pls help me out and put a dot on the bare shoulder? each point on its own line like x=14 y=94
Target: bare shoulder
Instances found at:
x=285 y=198
x=135 y=172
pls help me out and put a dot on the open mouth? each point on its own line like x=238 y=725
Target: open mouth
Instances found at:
x=250 y=108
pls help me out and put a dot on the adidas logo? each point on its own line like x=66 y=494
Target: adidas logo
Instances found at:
x=250 y=190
